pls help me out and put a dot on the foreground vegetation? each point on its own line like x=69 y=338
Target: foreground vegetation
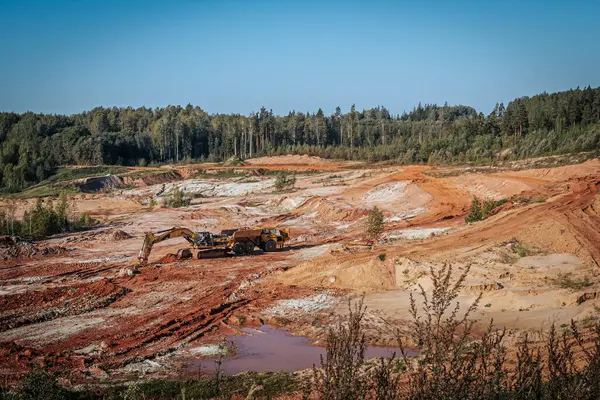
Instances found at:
x=33 y=146
x=454 y=363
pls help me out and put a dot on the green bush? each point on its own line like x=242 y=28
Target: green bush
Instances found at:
x=284 y=181
x=475 y=213
x=374 y=223
x=43 y=219
x=482 y=210
x=178 y=198
x=566 y=281
x=40 y=385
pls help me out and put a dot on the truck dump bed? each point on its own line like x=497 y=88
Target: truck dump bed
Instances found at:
x=247 y=234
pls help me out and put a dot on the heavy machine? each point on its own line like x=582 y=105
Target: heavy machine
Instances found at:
x=209 y=245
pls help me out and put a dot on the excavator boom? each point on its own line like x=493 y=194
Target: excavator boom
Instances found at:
x=152 y=238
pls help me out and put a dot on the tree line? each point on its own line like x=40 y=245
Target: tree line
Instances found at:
x=32 y=146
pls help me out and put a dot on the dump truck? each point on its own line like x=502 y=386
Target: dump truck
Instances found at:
x=245 y=240
x=210 y=245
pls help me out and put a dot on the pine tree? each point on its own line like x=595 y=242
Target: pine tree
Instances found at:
x=374 y=223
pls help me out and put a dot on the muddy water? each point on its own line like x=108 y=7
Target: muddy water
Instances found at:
x=272 y=349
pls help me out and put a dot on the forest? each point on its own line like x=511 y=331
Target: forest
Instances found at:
x=33 y=146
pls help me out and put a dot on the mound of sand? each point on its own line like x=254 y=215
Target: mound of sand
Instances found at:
x=121 y=235
x=403 y=198
x=361 y=275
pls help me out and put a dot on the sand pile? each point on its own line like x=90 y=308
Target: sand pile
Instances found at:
x=121 y=235
x=363 y=274
x=403 y=198
x=327 y=211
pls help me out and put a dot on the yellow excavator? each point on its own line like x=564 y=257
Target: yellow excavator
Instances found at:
x=238 y=241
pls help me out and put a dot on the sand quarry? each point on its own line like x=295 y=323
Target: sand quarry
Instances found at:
x=71 y=303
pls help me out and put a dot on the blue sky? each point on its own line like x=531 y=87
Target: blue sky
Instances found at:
x=236 y=56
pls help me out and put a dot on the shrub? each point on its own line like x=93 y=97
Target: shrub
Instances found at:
x=39 y=384
x=522 y=250
x=85 y=221
x=283 y=181
x=178 y=198
x=44 y=219
x=566 y=281
x=340 y=377
x=475 y=213
x=374 y=223
x=381 y=257
x=482 y=210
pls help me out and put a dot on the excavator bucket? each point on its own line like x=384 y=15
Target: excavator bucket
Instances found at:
x=182 y=254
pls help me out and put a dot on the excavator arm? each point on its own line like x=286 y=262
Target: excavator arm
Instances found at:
x=153 y=238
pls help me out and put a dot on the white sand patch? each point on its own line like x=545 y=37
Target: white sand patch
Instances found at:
x=204 y=188
x=415 y=234
x=290 y=203
x=323 y=191
x=311 y=252
x=406 y=215
x=54 y=330
x=306 y=305
x=208 y=350
x=386 y=192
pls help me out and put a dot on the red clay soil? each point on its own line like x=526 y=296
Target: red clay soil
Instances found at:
x=54 y=302
x=153 y=312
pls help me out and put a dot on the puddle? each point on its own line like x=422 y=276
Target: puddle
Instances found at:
x=272 y=349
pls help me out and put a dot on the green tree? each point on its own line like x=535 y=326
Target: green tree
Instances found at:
x=284 y=181
x=475 y=213
x=374 y=223
x=178 y=198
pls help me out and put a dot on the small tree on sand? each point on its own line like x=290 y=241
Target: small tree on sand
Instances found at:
x=283 y=181
x=475 y=213
x=374 y=223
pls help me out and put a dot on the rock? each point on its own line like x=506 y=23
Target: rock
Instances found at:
x=587 y=296
x=126 y=272
x=97 y=372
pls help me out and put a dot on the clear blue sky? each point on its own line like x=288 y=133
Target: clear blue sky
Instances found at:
x=235 y=56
